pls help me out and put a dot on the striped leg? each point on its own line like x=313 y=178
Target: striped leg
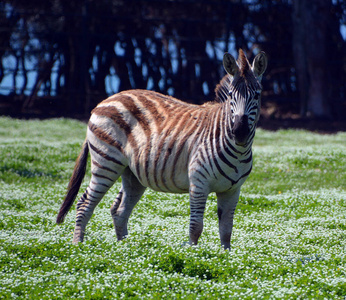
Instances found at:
x=226 y=205
x=130 y=193
x=97 y=188
x=198 y=199
x=105 y=170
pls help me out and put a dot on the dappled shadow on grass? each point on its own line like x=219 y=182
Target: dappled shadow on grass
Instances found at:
x=16 y=204
x=6 y=171
x=192 y=262
x=251 y=204
x=290 y=121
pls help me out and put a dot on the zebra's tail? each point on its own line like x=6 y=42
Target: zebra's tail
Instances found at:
x=75 y=182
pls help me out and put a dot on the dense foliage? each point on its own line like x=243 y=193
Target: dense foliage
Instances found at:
x=66 y=56
x=288 y=241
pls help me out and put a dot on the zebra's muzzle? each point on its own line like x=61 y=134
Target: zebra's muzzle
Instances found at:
x=241 y=129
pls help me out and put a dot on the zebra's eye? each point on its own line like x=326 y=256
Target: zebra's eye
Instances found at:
x=257 y=95
x=233 y=116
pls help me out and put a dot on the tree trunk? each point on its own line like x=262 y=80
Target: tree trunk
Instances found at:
x=310 y=23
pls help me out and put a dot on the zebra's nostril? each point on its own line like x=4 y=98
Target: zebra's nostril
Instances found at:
x=241 y=129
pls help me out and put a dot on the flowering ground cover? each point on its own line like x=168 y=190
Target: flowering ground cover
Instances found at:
x=289 y=237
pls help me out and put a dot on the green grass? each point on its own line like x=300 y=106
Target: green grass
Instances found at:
x=289 y=237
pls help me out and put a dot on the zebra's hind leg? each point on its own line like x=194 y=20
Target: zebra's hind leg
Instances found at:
x=98 y=187
x=130 y=193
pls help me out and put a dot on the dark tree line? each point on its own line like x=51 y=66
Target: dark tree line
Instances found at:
x=78 y=51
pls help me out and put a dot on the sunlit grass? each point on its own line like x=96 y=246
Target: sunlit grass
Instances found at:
x=289 y=238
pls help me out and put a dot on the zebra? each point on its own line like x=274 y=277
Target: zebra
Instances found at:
x=157 y=141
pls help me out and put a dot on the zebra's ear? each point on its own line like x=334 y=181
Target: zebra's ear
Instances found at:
x=259 y=64
x=230 y=64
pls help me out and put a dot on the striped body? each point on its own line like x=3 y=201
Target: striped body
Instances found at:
x=164 y=141
x=157 y=141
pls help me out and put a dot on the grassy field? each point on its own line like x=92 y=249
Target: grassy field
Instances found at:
x=289 y=236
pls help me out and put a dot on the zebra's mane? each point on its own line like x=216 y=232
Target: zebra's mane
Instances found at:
x=223 y=88
x=241 y=82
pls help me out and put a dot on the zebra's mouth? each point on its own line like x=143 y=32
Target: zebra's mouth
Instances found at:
x=241 y=143
x=241 y=130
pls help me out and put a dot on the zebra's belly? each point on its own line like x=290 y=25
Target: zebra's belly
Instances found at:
x=164 y=181
x=167 y=176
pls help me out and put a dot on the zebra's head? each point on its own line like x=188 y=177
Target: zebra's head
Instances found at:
x=243 y=91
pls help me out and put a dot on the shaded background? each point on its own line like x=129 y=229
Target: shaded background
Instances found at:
x=60 y=58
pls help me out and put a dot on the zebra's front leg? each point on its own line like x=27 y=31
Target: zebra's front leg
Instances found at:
x=226 y=205
x=198 y=199
x=130 y=193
